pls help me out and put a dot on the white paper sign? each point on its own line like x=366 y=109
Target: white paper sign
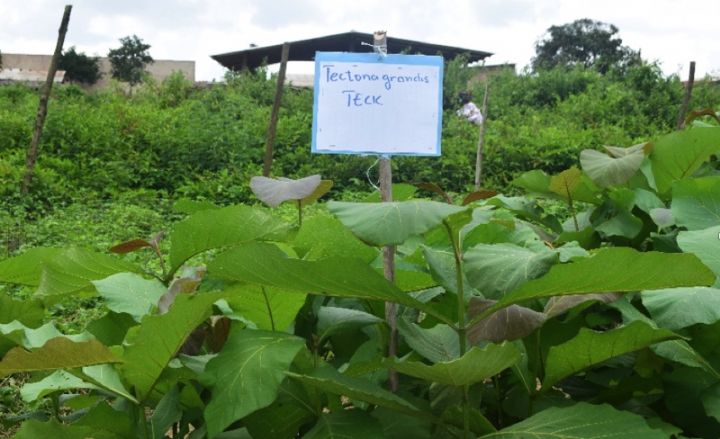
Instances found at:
x=365 y=104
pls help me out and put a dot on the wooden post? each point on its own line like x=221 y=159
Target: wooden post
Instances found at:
x=686 y=98
x=380 y=46
x=481 y=140
x=272 y=129
x=32 y=153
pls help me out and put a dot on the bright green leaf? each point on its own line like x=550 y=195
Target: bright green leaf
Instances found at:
x=159 y=337
x=333 y=320
x=269 y=308
x=266 y=265
x=679 y=154
x=26 y=268
x=74 y=269
x=324 y=237
x=29 y=312
x=437 y=344
x=58 y=380
x=391 y=223
x=476 y=365
x=703 y=244
x=696 y=202
x=246 y=375
x=130 y=293
x=218 y=228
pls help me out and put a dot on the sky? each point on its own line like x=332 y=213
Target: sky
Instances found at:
x=670 y=32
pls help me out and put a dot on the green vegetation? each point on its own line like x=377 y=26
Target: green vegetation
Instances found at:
x=513 y=320
x=144 y=292
x=129 y=60
x=79 y=67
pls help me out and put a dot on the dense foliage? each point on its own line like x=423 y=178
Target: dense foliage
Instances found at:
x=178 y=140
x=588 y=43
x=80 y=67
x=513 y=320
x=129 y=60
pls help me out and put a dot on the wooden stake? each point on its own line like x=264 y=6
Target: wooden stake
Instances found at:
x=380 y=43
x=32 y=153
x=272 y=129
x=481 y=140
x=686 y=98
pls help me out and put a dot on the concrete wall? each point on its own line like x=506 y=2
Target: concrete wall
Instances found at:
x=160 y=69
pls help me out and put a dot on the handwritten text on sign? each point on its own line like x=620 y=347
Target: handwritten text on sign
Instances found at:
x=365 y=104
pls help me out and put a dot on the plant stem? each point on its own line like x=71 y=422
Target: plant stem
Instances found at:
x=142 y=419
x=461 y=329
x=572 y=209
x=300 y=209
x=269 y=309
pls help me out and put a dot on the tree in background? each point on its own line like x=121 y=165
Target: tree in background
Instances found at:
x=80 y=67
x=584 y=42
x=129 y=60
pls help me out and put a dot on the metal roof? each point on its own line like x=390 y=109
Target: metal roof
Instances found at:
x=304 y=50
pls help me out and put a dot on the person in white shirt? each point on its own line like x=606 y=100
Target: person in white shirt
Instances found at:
x=469 y=110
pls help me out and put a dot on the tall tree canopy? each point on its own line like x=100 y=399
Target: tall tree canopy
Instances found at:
x=583 y=42
x=129 y=60
x=79 y=67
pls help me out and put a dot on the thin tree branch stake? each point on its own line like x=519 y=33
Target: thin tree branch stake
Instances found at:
x=686 y=98
x=272 y=129
x=32 y=153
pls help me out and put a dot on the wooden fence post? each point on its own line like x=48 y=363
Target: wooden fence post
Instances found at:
x=481 y=139
x=686 y=98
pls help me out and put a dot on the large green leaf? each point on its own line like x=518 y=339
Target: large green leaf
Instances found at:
x=159 y=338
x=574 y=184
x=293 y=406
x=56 y=381
x=130 y=293
x=631 y=271
x=476 y=365
x=677 y=308
x=511 y=323
x=496 y=269
x=74 y=269
x=703 y=244
x=217 y=228
x=25 y=269
x=324 y=237
x=268 y=307
x=346 y=424
x=34 y=429
x=331 y=381
x=167 y=412
x=246 y=375
x=266 y=265
x=16 y=334
x=590 y=347
x=580 y=421
x=696 y=202
x=437 y=344
x=608 y=171
x=391 y=223
x=29 y=312
x=57 y=353
x=333 y=320
x=678 y=351
x=679 y=154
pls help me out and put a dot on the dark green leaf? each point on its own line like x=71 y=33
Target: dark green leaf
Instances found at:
x=608 y=171
x=246 y=375
x=333 y=320
x=437 y=344
x=677 y=308
x=590 y=347
x=268 y=307
x=346 y=424
x=580 y=421
x=29 y=312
